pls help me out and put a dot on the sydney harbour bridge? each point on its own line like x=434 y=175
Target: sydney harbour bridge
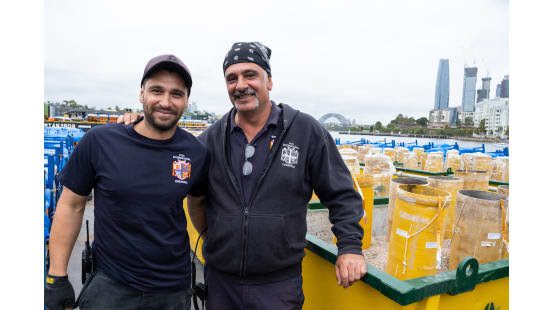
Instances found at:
x=342 y=119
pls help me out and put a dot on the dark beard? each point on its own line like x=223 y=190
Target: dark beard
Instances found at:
x=163 y=126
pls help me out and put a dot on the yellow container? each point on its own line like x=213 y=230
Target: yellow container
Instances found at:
x=467 y=159
x=450 y=185
x=415 y=244
x=375 y=151
x=410 y=161
x=473 y=179
x=454 y=161
x=434 y=162
x=352 y=163
x=480 y=224
x=363 y=151
x=422 y=159
x=401 y=151
x=506 y=232
x=418 y=150
x=455 y=152
x=393 y=190
x=504 y=193
x=481 y=162
x=391 y=153
x=500 y=169
x=367 y=195
x=503 y=190
x=348 y=151
x=377 y=172
x=379 y=182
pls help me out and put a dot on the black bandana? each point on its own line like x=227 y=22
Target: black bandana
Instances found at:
x=254 y=52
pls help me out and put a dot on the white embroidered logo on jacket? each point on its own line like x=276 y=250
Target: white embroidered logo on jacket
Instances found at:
x=290 y=155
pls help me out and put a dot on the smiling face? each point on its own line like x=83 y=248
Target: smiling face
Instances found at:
x=164 y=97
x=248 y=86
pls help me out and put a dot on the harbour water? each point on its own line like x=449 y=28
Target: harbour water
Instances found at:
x=489 y=147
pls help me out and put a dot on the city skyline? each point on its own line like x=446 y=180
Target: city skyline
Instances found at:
x=366 y=61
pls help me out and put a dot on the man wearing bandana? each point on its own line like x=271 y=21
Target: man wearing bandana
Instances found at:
x=266 y=160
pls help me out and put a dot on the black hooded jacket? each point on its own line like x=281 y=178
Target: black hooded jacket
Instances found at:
x=265 y=238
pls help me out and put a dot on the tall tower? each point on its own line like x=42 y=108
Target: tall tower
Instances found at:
x=498 y=90
x=468 y=95
x=442 y=85
x=505 y=87
x=485 y=90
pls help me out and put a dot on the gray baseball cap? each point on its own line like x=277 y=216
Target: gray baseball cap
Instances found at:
x=168 y=62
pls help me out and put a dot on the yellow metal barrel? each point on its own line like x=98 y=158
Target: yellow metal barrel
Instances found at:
x=435 y=162
x=415 y=244
x=453 y=161
x=500 y=169
x=450 y=185
x=503 y=190
x=391 y=153
x=410 y=161
x=401 y=151
x=393 y=189
x=377 y=173
x=481 y=162
x=479 y=226
x=474 y=179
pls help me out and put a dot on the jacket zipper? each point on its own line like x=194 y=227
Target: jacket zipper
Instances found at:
x=247 y=206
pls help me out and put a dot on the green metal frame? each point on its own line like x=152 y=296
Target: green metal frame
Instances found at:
x=318 y=205
x=445 y=173
x=468 y=274
x=423 y=172
x=497 y=183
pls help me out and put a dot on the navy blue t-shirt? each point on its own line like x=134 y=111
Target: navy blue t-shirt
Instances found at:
x=140 y=236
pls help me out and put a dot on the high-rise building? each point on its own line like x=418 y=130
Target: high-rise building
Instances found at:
x=468 y=95
x=495 y=114
x=485 y=90
x=442 y=85
x=498 y=90
x=505 y=87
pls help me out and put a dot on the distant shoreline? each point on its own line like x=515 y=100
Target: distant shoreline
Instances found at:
x=474 y=139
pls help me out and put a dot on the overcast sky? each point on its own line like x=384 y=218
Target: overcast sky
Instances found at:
x=367 y=60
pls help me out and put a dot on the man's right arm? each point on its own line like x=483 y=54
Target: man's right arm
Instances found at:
x=65 y=229
x=196 y=211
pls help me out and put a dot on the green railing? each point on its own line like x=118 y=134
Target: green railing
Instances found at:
x=468 y=274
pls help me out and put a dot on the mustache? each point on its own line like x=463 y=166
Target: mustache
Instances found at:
x=244 y=92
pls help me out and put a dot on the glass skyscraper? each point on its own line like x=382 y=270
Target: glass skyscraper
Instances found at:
x=468 y=95
x=505 y=87
x=442 y=86
x=485 y=90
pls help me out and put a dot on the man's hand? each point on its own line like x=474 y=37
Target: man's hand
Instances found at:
x=128 y=117
x=349 y=268
x=58 y=293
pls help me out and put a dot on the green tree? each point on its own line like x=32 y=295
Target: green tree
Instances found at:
x=481 y=128
x=378 y=126
x=422 y=121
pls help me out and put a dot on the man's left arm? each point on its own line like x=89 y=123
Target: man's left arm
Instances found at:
x=333 y=184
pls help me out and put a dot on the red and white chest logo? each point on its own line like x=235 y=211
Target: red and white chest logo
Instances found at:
x=181 y=169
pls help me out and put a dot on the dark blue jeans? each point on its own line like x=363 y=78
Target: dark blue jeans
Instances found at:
x=224 y=292
x=101 y=292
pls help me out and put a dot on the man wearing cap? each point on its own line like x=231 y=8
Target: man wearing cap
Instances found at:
x=266 y=159
x=140 y=174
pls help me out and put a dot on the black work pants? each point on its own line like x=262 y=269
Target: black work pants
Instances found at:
x=101 y=292
x=224 y=292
